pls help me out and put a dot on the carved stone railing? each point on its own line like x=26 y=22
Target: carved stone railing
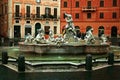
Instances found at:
x=89 y=9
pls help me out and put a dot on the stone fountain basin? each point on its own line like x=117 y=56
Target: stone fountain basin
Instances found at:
x=64 y=49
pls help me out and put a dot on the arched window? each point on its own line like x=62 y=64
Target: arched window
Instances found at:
x=88 y=27
x=114 y=31
x=100 y=31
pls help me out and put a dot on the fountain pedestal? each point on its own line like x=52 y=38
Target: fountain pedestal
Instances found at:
x=64 y=49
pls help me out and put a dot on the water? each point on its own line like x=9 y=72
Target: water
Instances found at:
x=109 y=73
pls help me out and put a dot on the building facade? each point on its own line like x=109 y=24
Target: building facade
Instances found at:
x=102 y=15
x=19 y=17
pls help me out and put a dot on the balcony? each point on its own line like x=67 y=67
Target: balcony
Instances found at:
x=56 y=18
x=17 y=15
x=50 y=17
x=28 y=16
x=89 y=9
x=38 y=17
x=46 y=17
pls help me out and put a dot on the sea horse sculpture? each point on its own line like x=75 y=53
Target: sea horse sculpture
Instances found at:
x=40 y=38
x=89 y=38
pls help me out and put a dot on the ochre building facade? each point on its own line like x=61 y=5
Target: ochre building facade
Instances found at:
x=19 y=17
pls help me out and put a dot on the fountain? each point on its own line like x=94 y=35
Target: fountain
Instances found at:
x=66 y=43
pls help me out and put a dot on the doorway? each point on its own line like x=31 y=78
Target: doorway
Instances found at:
x=114 y=31
x=47 y=30
x=27 y=29
x=17 y=32
x=100 y=31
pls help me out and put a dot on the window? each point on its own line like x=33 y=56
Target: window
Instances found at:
x=114 y=2
x=101 y=15
x=27 y=11
x=88 y=15
x=65 y=4
x=77 y=4
x=77 y=15
x=38 y=12
x=101 y=3
x=27 y=29
x=17 y=10
x=55 y=12
x=89 y=4
x=114 y=15
x=55 y=29
x=47 y=11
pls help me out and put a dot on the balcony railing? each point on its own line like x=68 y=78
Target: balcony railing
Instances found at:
x=17 y=15
x=50 y=17
x=89 y=9
x=28 y=16
x=56 y=18
x=38 y=16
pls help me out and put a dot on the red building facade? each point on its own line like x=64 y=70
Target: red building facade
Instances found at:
x=102 y=15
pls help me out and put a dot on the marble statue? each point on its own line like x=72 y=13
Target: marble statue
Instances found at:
x=103 y=39
x=70 y=31
x=40 y=38
x=51 y=36
x=59 y=40
x=28 y=38
x=89 y=38
x=69 y=36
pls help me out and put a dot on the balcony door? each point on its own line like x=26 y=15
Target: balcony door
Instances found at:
x=38 y=12
x=17 y=10
x=47 y=12
x=88 y=4
x=55 y=12
x=28 y=11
